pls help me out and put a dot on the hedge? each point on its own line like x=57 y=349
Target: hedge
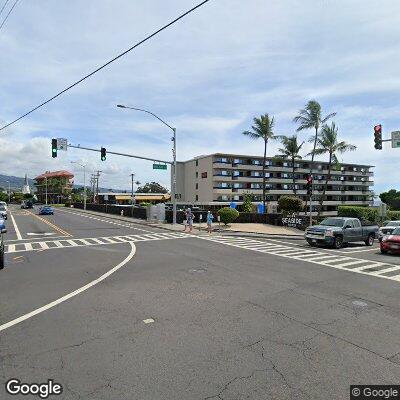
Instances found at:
x=290 y=204
x=362 y=213
x=393 y=216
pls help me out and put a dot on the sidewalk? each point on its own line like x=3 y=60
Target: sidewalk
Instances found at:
x=234 y=229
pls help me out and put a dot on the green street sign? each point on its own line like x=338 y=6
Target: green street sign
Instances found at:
x=396 y=139
x=160 y=166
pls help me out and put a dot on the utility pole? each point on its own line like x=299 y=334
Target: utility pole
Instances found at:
x=97 y=186
x=132 y=176
x=46 y=189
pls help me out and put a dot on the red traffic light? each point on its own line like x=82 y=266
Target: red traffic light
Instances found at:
x=309 y=179
x=378 y=129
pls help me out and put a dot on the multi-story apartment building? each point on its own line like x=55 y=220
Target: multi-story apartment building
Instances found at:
x=226 y=177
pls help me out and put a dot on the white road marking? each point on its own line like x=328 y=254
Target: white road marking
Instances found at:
x=322 y=258
x=70 y=295
x=17 y=232
x=41 y=234
x=78 y=242
x=148 y=320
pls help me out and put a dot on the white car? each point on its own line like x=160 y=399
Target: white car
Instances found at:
x=3 y=212
x=3 y=203
x=387 y=228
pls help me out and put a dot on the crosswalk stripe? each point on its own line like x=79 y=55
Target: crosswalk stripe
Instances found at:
x=66 y=243
x=292 y=251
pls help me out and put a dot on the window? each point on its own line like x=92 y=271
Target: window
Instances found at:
x=197 y=163
x=197 y=174
x=236 y=197
x=197 y=186
x=224 y=198
x=204 y=174
x=256 y=162
x=197 y=197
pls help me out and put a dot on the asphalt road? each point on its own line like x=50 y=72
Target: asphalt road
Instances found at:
x=112 y=310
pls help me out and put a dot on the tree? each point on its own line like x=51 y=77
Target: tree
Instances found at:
x=3 y=197
x=228 y=214
x=151 y=187
x=311 y=117
x=328 y=143
x=290 y=151
x=391 y=198
x=247 y=206
x=262 y=129
x=290 y=204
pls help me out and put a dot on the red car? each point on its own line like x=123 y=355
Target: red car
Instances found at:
x=391 y=243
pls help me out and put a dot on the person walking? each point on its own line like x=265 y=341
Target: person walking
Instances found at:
x=210 y=219
x=189 y=219
x=185 y=222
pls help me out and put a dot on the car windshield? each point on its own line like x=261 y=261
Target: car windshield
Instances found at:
x=2 y=208
x=391 y=223
x=396 y=231
x=332 y=222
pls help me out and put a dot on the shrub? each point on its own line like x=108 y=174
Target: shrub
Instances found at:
x=290 y=204
x=362 y=213
x=145 y=203
x=228 y=215
x=247 y=206
x=393 y=215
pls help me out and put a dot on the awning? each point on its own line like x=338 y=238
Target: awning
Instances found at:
x=123 y=197
x=150 y=198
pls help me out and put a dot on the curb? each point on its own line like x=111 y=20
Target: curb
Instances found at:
x=262 y=235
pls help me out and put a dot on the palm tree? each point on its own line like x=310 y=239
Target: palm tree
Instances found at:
x=290 y=151
x=262 y=129
x=328 y=143
x=311 y=117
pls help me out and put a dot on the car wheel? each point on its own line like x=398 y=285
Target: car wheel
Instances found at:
x=311 y=243
x=370 y=240
x=2 y=261
x=338 y=242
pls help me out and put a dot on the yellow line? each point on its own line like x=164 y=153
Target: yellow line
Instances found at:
x=57 y=228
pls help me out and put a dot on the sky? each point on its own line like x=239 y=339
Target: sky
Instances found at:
x=208 y=75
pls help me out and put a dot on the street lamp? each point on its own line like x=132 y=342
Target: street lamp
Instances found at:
x=46 y=189
x=132 y=176
x=84 y=182
x=173 y=153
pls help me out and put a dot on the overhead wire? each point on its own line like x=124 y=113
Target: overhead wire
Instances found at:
x=106 y=64
x=4 y=6
x=9 y=12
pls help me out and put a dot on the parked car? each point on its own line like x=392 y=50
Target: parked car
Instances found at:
x=3 y=203
x=387 y=228
x=3 y=212
x=391 y=243
x=27 y=204
x=3 y=230
x=336 y=231
x=46 y=210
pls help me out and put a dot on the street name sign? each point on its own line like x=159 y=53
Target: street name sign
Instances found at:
x=396 y=139
x=62 y=144
x=159 y=166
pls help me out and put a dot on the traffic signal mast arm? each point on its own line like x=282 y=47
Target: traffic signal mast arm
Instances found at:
x=121 y=154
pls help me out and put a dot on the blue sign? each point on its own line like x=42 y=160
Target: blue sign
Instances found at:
x=233 y=205
x=260 y=208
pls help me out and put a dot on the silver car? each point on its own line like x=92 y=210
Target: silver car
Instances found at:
x=387 y=228
x=3 y=212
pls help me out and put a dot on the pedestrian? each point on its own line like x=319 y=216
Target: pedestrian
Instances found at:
x=210 y=219
x=185 y=221
x=189 y=219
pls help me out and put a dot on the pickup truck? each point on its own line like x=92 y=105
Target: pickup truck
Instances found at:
x=337 y=231
x=2 y=230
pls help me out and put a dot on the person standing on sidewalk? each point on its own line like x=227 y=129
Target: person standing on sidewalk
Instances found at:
x=210 y=219
x=189 y=219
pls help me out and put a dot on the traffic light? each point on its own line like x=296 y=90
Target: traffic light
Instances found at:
x=309 y=185
x=54 y=148
x=378 y=136
x=103 y=154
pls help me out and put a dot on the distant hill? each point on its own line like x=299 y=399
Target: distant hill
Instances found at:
x=17 y=182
